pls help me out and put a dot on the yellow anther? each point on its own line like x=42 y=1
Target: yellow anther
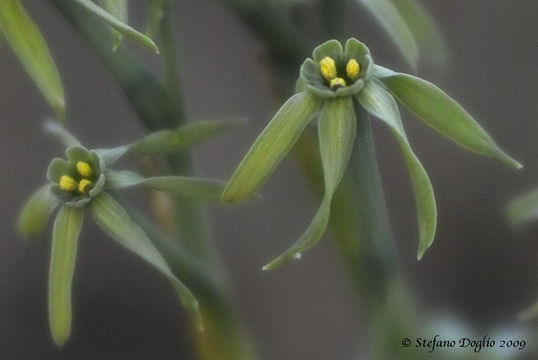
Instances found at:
x=84 y=169
x=84 y=186
x=328 y=68
x=67 y=183
x=353 y=69
x=337 y=83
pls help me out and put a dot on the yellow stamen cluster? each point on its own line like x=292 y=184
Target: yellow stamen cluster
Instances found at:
x=84 y=186
x=329 y=72
x=328 y=68
x=337 y=83
x=67 y=183
x=84 y=169
x=353 y=69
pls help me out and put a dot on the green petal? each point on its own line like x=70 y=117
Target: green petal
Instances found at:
x=398 y=30
x=78 y=153
x=524 y=208
x=271 y=146
x=61 y=133
x=197 y=188
x=35 y=214
x=442 y=113
x=337 y=128
x=62 y=265
x=118 y=9
x=331 y=48
x=118 y=25
x=57 y=168
x=378 y=102
x=31 y=49
x=114 y=220
x=430 y=42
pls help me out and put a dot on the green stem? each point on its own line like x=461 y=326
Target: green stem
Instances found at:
x=274 y=26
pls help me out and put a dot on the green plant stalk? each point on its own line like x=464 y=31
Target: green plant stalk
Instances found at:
x=361 y=230
x=158 y=108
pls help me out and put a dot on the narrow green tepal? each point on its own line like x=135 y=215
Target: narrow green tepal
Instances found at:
x=30 y=47
x=35 y=214
x=184 y=186
x=271 y=147
x=442 y=113
x=378 y=102
x=120 y=26
x=62 y=265
x=112 y=218
x=337 y=128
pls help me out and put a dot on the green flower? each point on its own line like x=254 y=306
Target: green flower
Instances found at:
x=343 y=86
x=84 y=180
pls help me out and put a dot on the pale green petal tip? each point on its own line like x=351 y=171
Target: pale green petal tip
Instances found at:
x=499 y=154
x=60 y=337
x=281 y=260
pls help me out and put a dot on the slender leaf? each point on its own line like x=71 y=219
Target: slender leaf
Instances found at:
x=28 y=44
x=114 y=220
x=62 y=265
x=190 y=187
x=61 y=133
x=271 y=146
x=442 y=113
x=397 y=28
x=524 y=208
x=378 y=102
x=118 y=25
x=118 y=9
x=426 y=33
x=169 y=142
x=337 y=128
x=36 y=212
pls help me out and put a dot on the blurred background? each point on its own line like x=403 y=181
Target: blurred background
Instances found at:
x=479 y=270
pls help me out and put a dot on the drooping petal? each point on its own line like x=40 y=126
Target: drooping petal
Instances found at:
x=378 y=102
x=271 y=146
x=337 y=127
x=36 y=212
x=114 y=221
x=62 y=265
x=442 y=113
x=397 y=28
x=118 y=25
x=189 y=187
x=31 y=49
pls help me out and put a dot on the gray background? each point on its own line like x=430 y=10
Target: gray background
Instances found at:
x=478 y=269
